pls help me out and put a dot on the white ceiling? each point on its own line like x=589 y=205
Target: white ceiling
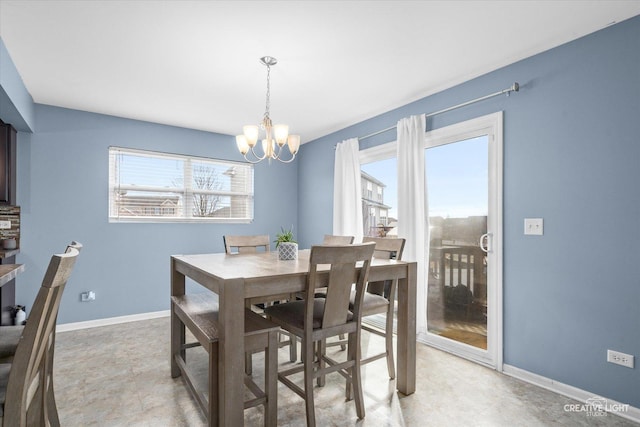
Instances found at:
x=195 y=63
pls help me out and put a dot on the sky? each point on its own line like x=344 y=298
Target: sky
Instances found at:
x=457 y=179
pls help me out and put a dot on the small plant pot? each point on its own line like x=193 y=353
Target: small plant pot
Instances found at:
x=287 y=251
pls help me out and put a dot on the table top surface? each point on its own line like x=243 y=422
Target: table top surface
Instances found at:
x=9 y=272
x=257 y=265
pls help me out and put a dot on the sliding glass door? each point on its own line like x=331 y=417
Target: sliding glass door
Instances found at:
x=463 y=168
x=463 y=174
x=457 y=186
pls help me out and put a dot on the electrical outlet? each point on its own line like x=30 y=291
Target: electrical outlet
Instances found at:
x=88 y=296
x=5 y=225
x=618 y=358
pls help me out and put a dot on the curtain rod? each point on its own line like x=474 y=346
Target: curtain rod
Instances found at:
x=514 y=88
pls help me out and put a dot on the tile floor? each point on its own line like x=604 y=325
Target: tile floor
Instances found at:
x=119 y=376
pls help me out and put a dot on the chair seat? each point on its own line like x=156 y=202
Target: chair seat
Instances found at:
x=9 y=337
x=292 y=313
x=371 y=303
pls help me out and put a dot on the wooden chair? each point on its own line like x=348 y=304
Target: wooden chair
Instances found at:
x=246 y=244
x=330 y=239
x=199 y=313
x=26 y=386
x=380 y=299
x=315 y=319
x=252 y=244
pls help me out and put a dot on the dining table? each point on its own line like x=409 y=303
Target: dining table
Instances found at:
x=241 y=278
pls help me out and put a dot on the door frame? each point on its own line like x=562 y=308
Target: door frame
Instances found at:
x=490 y=125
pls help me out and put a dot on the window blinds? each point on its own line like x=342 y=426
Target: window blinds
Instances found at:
x=147 y=186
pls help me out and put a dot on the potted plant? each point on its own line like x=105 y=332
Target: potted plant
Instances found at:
x=285 y=244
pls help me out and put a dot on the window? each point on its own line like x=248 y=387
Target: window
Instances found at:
x=378 y=166
x=160 y=187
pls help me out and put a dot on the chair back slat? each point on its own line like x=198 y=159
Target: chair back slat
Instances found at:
x=246 y=244
x=28 y=372
x=344 y=263
x=336 y=307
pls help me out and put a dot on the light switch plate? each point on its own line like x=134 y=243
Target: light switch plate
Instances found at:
x=533 y=226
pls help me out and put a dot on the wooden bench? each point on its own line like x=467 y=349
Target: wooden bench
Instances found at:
x=199 y=314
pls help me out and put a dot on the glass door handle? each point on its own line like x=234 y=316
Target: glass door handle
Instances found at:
x=485 y=238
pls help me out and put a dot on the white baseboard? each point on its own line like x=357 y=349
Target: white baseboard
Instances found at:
x=631 y=413
x=111 y=321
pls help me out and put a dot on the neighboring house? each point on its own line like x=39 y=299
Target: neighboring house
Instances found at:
x=136 y=205
x=375 y=213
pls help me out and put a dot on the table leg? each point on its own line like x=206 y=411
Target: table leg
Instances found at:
x=231 y=353
x=177 y=327
x=406 y=357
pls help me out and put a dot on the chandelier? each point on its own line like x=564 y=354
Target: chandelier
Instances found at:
x=275 y=136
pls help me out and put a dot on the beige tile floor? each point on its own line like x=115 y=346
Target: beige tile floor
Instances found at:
x=119 y=376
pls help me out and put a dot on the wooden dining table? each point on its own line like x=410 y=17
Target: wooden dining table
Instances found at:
x=261 y=276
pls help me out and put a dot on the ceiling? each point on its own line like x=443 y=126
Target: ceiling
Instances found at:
x=195 y=64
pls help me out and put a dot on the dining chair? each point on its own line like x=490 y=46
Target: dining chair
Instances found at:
x=330 y=239
x=380 y=299
x=315 y=319
x=252 y=244
x=199 y=313
x=26 y=386
x=9 y=343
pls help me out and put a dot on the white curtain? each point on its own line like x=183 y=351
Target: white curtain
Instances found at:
x=412 y=205
x=347 y=191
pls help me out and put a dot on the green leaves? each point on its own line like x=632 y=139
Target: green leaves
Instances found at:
x=284 y=236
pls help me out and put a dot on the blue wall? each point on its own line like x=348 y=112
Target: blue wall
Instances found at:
x=572 y=157
x=63 y=192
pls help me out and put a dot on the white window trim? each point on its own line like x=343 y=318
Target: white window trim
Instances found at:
x=187 y=191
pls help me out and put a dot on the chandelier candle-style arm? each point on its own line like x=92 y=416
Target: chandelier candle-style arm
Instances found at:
x=275 y=136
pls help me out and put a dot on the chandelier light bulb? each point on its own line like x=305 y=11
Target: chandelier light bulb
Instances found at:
x=294 y=143
x=251 y=133
x=243 y=146
x=281 y=132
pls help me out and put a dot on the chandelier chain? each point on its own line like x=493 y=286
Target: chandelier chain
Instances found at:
x=268 y=102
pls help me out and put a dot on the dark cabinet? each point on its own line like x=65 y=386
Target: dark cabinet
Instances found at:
x=8 y=137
